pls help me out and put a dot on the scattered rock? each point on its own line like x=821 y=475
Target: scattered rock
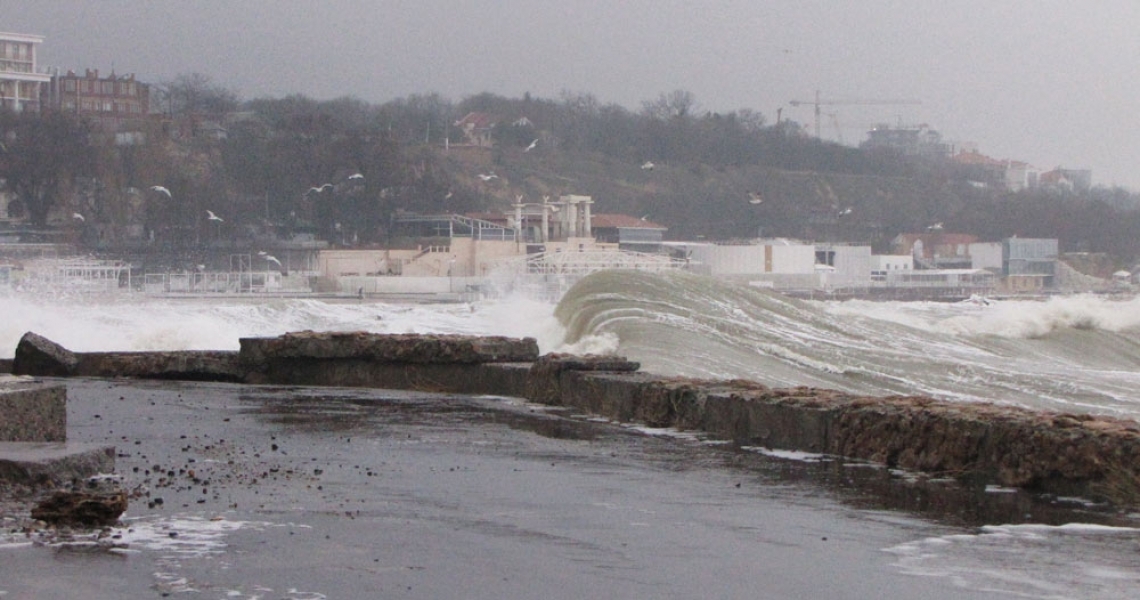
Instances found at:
x=98 y=502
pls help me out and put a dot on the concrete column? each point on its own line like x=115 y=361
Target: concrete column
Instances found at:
x=545 y=221
x=586 y=220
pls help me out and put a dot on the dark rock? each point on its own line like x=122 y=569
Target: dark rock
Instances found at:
x=88 y=509
x=37 y=355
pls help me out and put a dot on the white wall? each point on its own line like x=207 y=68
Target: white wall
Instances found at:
x=986 y=255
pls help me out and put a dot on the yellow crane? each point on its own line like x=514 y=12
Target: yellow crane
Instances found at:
x=817 y=103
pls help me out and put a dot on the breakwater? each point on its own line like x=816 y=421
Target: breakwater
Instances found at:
x=1049 y=451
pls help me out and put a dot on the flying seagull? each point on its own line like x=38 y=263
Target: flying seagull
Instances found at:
x=488 y=176
x=161 y=190
x=845 y=211
x=212 y=217
x=754 y=198
x=356 y=176
x=647 y=166
x=77 y=217
x=271 y=258
x=936 y=227
x=320 y=189
x=531 y=146
x=448 y=195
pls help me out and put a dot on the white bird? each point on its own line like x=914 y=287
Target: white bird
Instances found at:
x=262 y=253
x=161 y=190
x=519 y=198
x=531 y=146
x=448 y=195
x=356 y=176
x=488 y=176
x=77 y=217
x=212 y=217
x=845 y=211
x=936 y=227
x=754 y=198
x=320 y=189
x=271 y=258
x=647 y=166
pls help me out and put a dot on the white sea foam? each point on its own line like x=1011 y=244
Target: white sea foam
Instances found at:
x=1078 y=560
x=139 y=323
x=796 y=455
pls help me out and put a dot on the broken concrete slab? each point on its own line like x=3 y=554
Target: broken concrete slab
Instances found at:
x=47 y=464
x=37 y=355
x=32 y=411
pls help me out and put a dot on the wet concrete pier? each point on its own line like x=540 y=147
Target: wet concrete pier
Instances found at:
x=1062 y=453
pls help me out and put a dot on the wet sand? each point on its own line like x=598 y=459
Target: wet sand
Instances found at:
x=270 y=492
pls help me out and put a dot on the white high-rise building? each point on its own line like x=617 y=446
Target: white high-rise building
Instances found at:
x=20 y=80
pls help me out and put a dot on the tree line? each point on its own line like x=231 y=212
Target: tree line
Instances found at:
x=339 y=169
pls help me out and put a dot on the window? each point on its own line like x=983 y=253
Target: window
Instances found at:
x=69 y=85
x=85 y=86
x=109 y=88
x=107 y=107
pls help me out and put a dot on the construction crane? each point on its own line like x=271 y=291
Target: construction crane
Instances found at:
x=817 y=103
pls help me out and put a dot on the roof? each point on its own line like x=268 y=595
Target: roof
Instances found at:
x=478 y=120
x=616 y=221
x=977 y=158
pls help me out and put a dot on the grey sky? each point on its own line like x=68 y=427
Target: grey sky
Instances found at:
x=1048 y=82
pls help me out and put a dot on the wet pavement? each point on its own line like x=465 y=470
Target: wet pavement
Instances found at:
x=305 y=493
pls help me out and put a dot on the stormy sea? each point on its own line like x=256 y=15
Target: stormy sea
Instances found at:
x=1074 y=353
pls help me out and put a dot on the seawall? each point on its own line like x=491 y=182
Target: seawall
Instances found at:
x=1063 y=453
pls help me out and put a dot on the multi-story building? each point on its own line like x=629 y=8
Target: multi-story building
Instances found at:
x=107 y=101
x=21 y=83
x=917 y=140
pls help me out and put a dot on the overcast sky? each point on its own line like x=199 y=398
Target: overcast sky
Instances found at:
x=1053 y=83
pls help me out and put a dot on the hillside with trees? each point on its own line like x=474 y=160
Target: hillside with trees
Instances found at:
x=337 y=170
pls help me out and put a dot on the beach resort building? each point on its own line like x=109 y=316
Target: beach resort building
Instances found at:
x=21 y=83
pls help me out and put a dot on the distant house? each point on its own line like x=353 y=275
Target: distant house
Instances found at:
x=918 y=140
x=1020 y=175
x=936 y=250
x=988 y=169
x=477 y=128
x=109 y=101
x=1071 y=180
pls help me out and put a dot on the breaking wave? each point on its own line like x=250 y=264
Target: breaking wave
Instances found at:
x=1075 y=354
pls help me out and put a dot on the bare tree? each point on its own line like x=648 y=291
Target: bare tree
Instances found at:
x=40 y=157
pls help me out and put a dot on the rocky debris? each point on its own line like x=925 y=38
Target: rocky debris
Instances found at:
x=37 y=355
x=398 y=348
x=98 y=502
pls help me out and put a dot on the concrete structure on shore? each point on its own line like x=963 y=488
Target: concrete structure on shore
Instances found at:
x=33 y=438
x=1062 y=453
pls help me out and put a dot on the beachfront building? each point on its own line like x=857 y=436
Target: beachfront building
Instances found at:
x=883 y=264
x=21 y=83
x=778 y=264
x=1029 y=264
